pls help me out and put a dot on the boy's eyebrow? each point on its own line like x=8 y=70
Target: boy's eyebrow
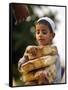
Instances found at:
x=42 y=30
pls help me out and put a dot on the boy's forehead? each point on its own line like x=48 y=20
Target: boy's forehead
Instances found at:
x=41 y=26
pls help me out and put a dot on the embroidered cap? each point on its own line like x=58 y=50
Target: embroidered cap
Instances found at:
x=48 y=20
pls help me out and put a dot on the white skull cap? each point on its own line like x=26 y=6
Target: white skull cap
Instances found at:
x=49 y=20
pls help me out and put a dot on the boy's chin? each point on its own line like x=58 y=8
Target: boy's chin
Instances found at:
x=42 y=44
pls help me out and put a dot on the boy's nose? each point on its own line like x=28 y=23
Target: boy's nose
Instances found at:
x=40 y=34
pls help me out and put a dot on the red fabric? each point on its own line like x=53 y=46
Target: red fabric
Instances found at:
x=21 y=12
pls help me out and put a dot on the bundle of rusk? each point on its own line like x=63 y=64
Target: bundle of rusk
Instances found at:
x=39 y=59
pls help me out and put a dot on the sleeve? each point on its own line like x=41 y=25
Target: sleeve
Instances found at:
x=58 y=68
x=22 y=60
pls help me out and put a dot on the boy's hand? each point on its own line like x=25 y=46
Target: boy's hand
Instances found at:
x=41 y=76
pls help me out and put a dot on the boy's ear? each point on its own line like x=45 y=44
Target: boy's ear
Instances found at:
x=53 y=35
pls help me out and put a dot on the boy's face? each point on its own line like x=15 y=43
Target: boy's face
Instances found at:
x=43 y=34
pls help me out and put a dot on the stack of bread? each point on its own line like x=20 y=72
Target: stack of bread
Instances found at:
x=39 y=58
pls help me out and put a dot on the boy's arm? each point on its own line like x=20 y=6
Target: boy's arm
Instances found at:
x=25 y=57
x=49 y=74
x=52 y=73
x=32 y=52
x=22 y=61
x=38 y=63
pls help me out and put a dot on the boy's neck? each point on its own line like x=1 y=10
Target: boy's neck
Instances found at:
x=49 y=44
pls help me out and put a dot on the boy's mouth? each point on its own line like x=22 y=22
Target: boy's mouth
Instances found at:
x=41 y=39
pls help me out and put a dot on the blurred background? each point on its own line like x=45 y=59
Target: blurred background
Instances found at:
x=23 y=19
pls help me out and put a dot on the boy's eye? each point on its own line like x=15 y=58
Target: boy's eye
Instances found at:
x=44 y=32
x=37 y=32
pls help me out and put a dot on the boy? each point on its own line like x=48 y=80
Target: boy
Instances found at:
x=44 y=36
